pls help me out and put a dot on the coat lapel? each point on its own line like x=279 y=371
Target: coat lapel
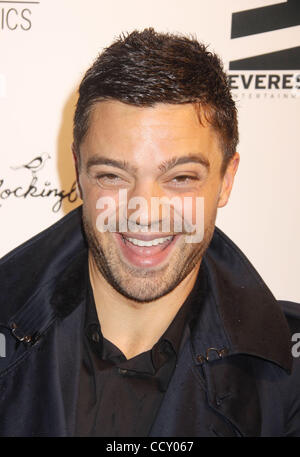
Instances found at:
x=214 y=390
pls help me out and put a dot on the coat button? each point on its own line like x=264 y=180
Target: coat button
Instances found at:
x=95 y=337
x=200 y=358
x=122 y=371
x=223 y=352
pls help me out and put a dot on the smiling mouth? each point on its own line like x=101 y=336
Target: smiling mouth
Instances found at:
x=146 y=250
x=144 y=242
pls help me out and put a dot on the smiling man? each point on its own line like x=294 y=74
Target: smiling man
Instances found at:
x=117 y=322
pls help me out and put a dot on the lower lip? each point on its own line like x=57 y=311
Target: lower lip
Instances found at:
x=145 y=256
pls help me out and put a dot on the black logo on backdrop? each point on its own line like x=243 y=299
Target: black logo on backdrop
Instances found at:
x=16 y=15
x=266 y=19
x=35 y=164
x=35 y=187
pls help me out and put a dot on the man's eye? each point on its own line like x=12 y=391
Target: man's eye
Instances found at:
x=184 y=179
x=108 y=178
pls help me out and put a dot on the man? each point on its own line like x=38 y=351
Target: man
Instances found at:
x=118 y=323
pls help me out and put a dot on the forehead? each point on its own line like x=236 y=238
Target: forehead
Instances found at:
x=131 y=132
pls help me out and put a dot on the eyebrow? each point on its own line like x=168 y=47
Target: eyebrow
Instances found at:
x=193 y=158
x=163 y=167
x=98 y=160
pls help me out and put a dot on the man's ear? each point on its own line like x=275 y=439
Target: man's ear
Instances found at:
x=76 y=163
x=227 y=181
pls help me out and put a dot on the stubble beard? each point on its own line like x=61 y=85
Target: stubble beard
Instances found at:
x=144 y=285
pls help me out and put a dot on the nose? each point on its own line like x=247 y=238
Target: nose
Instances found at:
x=141 y=204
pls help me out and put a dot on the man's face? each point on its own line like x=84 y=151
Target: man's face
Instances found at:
x=160 y=151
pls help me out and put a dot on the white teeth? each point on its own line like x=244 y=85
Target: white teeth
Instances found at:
x=154 y=242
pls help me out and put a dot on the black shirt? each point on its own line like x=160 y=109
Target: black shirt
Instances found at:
x=120 y=397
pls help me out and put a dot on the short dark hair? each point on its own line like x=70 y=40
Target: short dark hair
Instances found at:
x=145 y=68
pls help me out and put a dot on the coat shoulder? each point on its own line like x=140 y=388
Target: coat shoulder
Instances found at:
x=57 y=231
x=38 y=261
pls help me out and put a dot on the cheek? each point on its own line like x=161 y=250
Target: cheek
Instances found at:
x=103 y=210
x=90 y=202
x=200 y=207
x=210 y=201
x=210 y=208
x=89 y=198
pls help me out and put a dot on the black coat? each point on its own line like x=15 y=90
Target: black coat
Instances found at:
x=235 y=375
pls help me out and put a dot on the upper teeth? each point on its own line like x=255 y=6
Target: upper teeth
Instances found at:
x=154 y=242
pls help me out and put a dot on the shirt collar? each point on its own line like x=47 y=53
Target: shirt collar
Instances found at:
x=172 y=335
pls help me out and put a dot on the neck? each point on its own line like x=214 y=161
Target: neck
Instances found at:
x=135 y=327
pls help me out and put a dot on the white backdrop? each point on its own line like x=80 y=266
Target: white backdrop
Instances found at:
x=46 y=47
